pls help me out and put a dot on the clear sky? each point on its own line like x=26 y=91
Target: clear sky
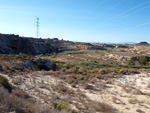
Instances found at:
x=78 y=20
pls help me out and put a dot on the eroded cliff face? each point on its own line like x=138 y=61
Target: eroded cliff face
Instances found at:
x=13 y=44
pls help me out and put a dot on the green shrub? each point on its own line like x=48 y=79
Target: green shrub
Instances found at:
x=60 y=105
x=51 y=47
x=122 y=71
x=4 y=82
x=48 y=44
x=68 y=53
x=132 y=60
x=122 y=46
x=143 y=60
x=21 y=55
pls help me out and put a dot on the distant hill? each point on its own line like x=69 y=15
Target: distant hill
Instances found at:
x=129 y=43
x=143 y=43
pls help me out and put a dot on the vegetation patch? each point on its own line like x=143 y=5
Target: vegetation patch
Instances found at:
x=22 y=56
x=139 y=60
x=62 y=106
x=4 y=82
x=122 y=46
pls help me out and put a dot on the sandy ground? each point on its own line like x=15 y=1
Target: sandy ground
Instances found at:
x=129 y=94
x=126 y=101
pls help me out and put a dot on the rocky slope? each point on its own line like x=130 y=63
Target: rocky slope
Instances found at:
x=14 y=44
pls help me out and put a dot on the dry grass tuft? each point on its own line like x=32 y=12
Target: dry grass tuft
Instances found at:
x=104 y=108
x=63 y=89
x=18 y=102
x=132 y=90
x=140 y=111
x=134 y=101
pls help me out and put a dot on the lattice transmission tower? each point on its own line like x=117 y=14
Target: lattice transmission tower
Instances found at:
x=37 y=26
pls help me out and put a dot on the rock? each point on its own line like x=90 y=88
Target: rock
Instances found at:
x=117 y=102
x=13 y=44
x=41 y=64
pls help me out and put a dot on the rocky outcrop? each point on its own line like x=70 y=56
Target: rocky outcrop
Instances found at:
x=13 y=44
x=40 y=64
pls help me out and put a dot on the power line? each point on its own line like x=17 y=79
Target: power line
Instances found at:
x=128 y=11
x=129 y=14
x=112 y=7
x=109 y=9
x=133 y=27
x=138 y=10
x=110 y=20
x=99 y=4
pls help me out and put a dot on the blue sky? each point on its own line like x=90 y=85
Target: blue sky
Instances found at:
x=78 y=20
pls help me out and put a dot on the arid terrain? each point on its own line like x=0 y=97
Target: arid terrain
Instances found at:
x=74 y=56
x=87 y=79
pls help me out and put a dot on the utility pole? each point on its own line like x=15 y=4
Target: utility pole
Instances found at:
x=37 y=26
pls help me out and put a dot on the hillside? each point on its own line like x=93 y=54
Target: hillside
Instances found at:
x=14 y=44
